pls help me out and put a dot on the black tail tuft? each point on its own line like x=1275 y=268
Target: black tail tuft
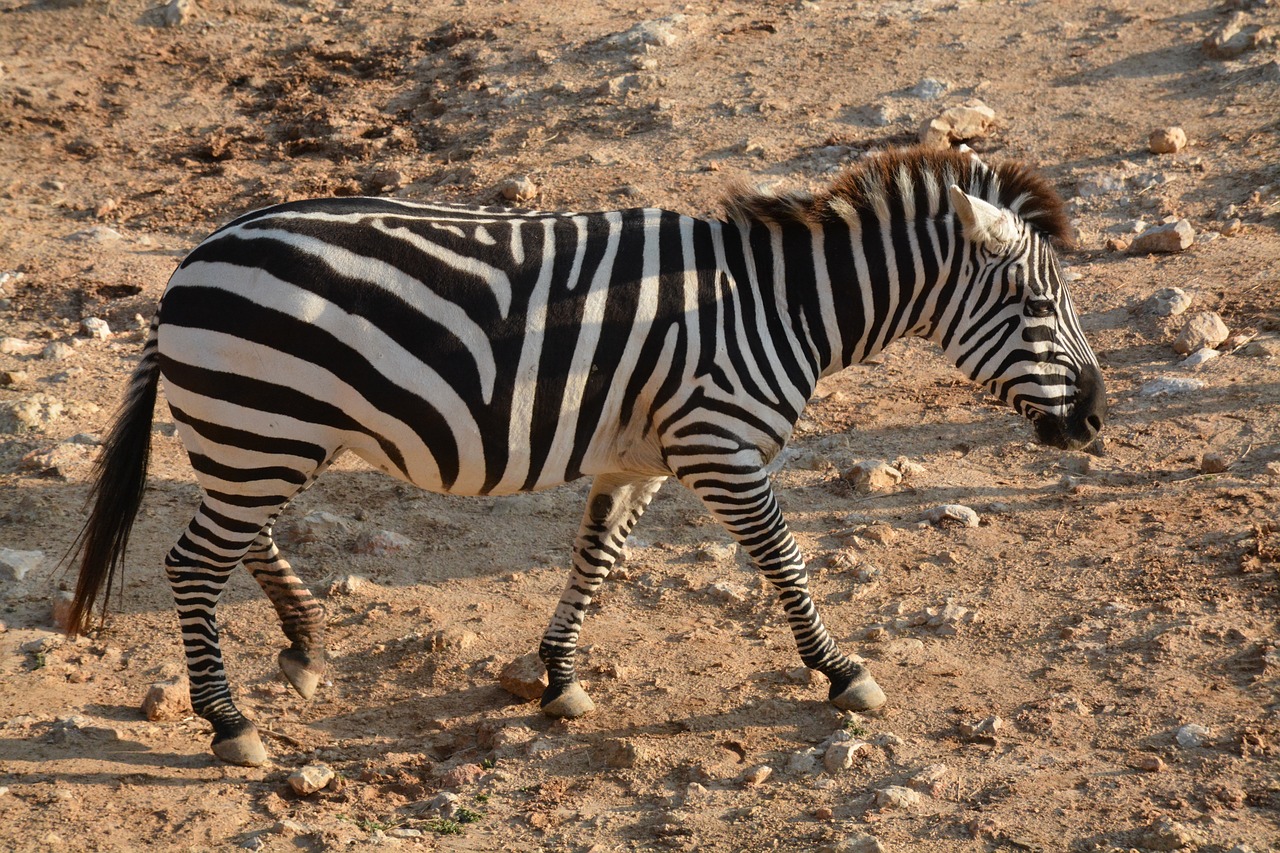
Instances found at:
x=117 y=491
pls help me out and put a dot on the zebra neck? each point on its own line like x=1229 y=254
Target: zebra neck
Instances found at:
x=880 y=280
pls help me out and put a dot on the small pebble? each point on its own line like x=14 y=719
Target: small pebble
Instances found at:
x=95 y=327
x=1214 y=463
x=309 y=779
x=1167 y=302
x=1151 y=764
x=520 y=190
x=897 y=797
x=757 y=775
x=1191 y=735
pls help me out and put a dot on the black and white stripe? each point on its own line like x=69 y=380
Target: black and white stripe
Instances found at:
x=486 y=351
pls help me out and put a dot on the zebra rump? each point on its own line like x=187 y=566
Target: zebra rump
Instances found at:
x=473 y=350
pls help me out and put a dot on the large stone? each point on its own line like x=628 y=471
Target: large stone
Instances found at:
x=897 y=797
x=1204 y=329
x=873 y=475
x=952 y=515
x=167 y=700
x=1167 y=140
x=1164 y=239
x=526 y=677
x=972 y=120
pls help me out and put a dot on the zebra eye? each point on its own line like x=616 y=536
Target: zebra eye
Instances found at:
x=1038 y=308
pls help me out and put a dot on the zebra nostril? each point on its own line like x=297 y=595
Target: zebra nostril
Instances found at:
x=1094 y=423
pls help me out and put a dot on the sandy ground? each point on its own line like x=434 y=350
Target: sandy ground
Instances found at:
x=1104 y=604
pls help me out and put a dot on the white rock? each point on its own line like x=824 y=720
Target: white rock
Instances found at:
x=697 y=795
x=17 y=346
x=1191 y=735
x=95 y=234
x=930 y=89
x=803 y=763
x=930 y=780
x=1170 y=385
x=730 y=592
x=1199 y=357
x=309 y=779
x=897 y=797
x=955 y=514
x=16 y=565
x=379 y=543
x=716 y=552
x=660 y=33
x=1167 y=302
x=95 y=327
x=347 y=585
x=1166 y=834
x=842 y=756
x=860 y=843
x=175 y=13
x=314 y=527
x=57 y=351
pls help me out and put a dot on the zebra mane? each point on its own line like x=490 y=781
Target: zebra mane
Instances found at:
x=896 y=175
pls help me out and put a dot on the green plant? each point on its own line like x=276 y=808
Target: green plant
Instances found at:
x=466 y=815
x=443 y=826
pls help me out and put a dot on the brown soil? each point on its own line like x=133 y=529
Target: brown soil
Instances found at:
x=1116 y=598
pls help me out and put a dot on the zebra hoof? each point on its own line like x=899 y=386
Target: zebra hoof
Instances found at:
x=859 y=694
x=569 y=703
x=303 y=669
x=245 y=749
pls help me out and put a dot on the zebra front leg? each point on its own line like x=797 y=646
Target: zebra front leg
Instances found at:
x=301 y=616
x=736 y=490
x=198 y=567
x=615 y=505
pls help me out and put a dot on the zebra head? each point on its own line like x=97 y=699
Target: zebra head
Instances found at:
x=1016 y=332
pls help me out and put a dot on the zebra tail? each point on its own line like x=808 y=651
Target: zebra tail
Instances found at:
x=119 y=482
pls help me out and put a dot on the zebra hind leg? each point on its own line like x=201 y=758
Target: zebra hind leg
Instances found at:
x=736 y=490
x=301 y=616
x=616 y=503
x=198 y=567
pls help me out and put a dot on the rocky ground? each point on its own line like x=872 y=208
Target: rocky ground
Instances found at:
x=1089 y=662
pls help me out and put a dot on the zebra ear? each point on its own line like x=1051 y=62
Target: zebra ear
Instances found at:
x=983 y=222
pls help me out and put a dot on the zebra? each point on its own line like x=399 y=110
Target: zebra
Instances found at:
x=487 y=351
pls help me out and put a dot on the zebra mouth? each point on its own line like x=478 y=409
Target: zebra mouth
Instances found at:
x=1081 y=427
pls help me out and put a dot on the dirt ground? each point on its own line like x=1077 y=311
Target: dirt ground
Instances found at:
x=1104 y=607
